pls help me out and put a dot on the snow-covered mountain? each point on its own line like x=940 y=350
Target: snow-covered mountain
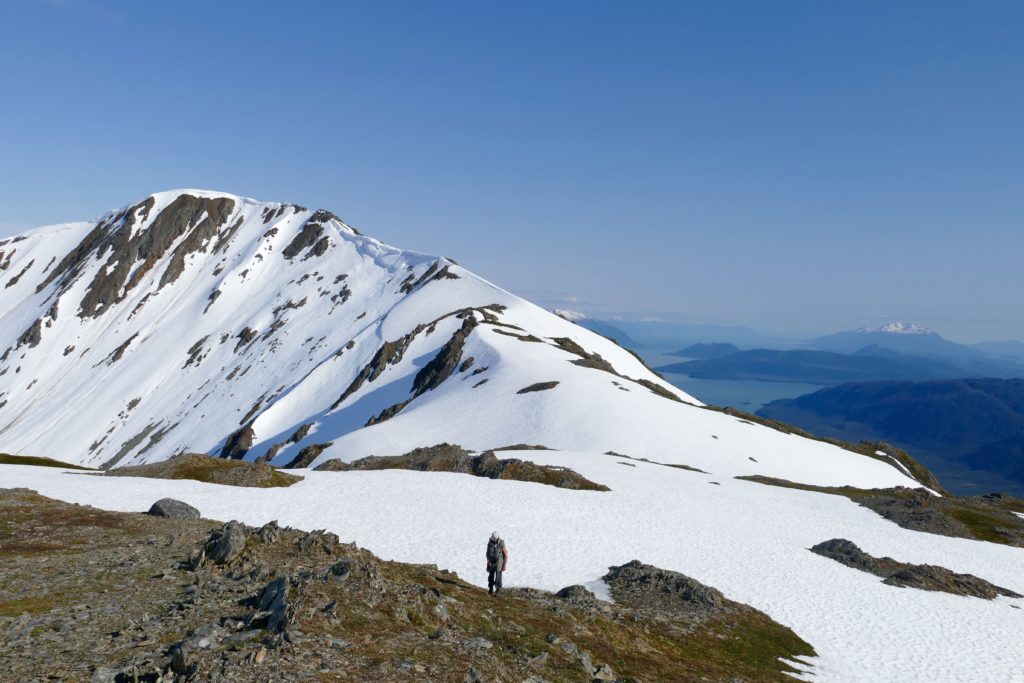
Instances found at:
x=911 y=339
x=201 y=321
x=897 y=328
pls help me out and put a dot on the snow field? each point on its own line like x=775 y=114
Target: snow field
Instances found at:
x=746 y=539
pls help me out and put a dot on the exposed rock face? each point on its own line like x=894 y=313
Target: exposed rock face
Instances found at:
x=924 y=576
x=14 y=280
x=448 y=458
x=169 y=507
x=238 y=444
x=434 y=373
x=191 y=222
x=297 y=436
x=444 y=363
x=389 y=353
x=33 y=335
x=308 y=454
x=392 y=352
x=307 y=237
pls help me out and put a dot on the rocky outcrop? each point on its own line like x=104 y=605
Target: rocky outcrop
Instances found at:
x=915 y=509
x=646 y=587
x=191 y=223
x=596 y=362
x=903 y=574
x=33 y=335
x=211 y=470
x=308 y=454
x=448 y=458
x=445 y=362
x=238 y=444
x=430 y=376
x=434 y=373
x=539 y=386
x=296 y=436
x=308 y=237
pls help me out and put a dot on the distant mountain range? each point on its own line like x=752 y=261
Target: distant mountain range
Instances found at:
x=903 y=337
x=707 y=351
x=961 y=429
x=813 y=367
x=898 y=351
x=653 y=334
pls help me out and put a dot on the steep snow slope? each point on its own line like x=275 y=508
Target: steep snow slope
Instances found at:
x=200 y=321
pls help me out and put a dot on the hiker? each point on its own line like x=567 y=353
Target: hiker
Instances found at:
x=497 y=560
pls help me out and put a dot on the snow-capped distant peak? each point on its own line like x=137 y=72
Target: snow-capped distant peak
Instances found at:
x=897 y=328
x=570 y=315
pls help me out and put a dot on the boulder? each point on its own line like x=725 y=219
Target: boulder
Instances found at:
x=175 y=509
x=226 y=543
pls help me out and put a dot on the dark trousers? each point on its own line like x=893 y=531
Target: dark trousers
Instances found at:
x=493 y=579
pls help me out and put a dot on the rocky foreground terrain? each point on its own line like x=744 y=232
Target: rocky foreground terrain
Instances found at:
x=89 y=595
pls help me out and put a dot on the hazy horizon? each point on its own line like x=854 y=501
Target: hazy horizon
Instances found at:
x=802 y=168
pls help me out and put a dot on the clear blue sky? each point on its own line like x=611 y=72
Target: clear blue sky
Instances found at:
x=805 y=166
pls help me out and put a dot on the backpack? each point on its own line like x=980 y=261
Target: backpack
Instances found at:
x=494 y=554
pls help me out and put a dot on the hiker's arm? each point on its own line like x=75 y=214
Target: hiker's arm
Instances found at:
x=504 y=551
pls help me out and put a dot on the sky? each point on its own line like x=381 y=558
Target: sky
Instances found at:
x=802 y=167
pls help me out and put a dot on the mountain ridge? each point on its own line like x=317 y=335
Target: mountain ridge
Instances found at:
x=206 y=322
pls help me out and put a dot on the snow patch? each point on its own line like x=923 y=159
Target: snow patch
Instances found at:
x=748 y=540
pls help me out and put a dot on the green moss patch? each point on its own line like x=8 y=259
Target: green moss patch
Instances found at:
x=36 y=461
x=212 y=471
